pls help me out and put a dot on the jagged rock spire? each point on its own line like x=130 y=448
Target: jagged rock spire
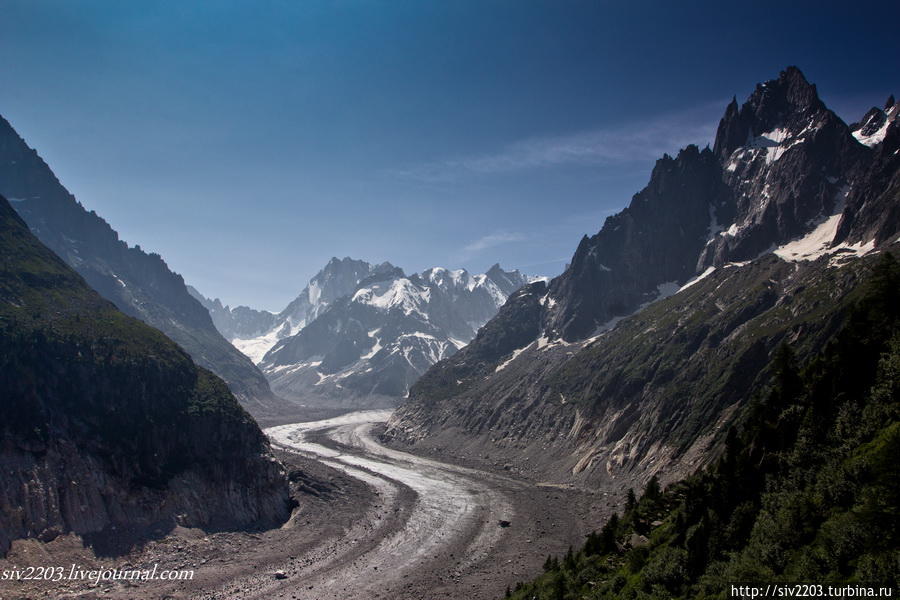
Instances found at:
x=772 y=104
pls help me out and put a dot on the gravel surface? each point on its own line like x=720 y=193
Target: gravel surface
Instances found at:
x=372 y=522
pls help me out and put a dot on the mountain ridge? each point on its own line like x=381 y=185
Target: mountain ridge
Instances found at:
x=111 y=429
x=587 y=378
x=254 y=332
x=371 y=344
x=813 y=454
x=138 y=283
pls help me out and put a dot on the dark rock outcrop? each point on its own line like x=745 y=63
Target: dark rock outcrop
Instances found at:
x=788 y=160
x=654 y=241
x=872 y=212
x=760 y=240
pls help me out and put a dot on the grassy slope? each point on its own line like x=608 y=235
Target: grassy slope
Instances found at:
x=807 y=490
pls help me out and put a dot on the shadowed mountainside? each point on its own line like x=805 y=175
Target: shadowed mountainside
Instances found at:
x=109 y=427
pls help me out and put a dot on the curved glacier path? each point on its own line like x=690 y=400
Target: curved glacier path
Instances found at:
x=431 y=516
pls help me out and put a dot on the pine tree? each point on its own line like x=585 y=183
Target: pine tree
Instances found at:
x=592 y=545
x=883 y=292
x=653 y=491
x=786 y=384
x=630 y=501
x=607 y=541
x=559 y=587
x=548 y=564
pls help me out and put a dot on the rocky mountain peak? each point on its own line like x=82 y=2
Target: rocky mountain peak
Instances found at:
x=872 y=128
x=782 y=163
x=785 y=104
x=444 y=277
x=237 y=322
x=655 y=240
x=788 y=161
x=254 y=332
x=783 y=215
x=495 y=269
x=368 y=347
x=785 y=97
x=342 y=267
x=383 y=272
x=507 y=281
x=685 y=159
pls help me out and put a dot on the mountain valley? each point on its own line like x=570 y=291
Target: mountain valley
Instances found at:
x=707 y=394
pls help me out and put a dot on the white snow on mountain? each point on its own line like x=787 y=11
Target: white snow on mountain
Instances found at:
x=375 y=342
x=872 y=132
x=337 y=279
x=698 y=278
x=255 y=348
x=820 y=239
x=400 y=293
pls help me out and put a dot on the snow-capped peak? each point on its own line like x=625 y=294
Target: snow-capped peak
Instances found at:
x=398 y=293
x=874 y=125
x=387 y=332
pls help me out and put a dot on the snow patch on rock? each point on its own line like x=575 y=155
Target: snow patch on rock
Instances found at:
x=698 y=278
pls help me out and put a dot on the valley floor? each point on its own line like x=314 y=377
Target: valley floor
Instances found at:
x=373 y=522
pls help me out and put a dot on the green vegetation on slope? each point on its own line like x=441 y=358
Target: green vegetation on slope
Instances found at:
x=807 y=490
x=47 y=313
x=86 y=386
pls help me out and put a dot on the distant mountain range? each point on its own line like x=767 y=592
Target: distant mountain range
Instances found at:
x=255 y=332
x=657 y=335
x=138 y=283
x=360 y=334
x=448 y=309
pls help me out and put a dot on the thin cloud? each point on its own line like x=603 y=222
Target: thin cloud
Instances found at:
x=634 y=141
x=492 y=240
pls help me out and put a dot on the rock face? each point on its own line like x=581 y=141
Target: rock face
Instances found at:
x=109 y=425
x=367 y=347
x=237 y=322
x=654 y=242
x=255 y=332
x=339 y=278
x=790 y=163
x=872 y=128
x=139 y=284
x=759 y=240
x=872 y=212
x=360 y=334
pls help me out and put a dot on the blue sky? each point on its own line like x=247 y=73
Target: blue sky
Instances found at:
x=248 y=142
